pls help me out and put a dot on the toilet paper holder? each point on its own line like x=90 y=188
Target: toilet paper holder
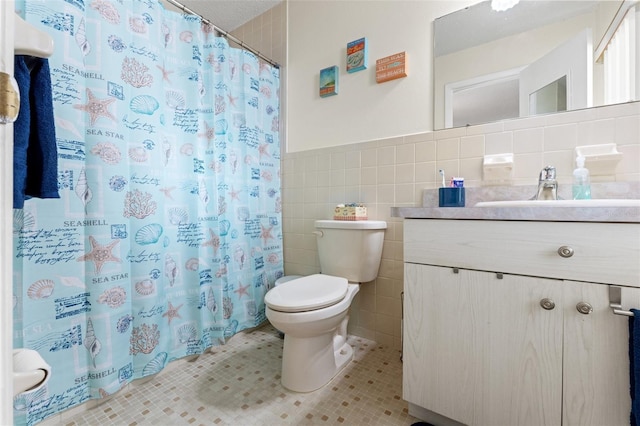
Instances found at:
x=30 y=371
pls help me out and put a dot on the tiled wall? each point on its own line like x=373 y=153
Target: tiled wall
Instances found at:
x=393 y=172
x=266 y=33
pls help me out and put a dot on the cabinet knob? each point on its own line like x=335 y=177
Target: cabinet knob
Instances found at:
x=565 y=251
x=547 y=304
x=584 y=308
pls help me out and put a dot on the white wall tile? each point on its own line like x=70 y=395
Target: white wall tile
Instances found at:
x=369 y=175
x=525 y=123
x=425 y=151
x=498 y=143
x=450 y=167
x=394 y=172
x=352 y=176
x=528 y=140
x=386 y=193
x=456 y=132
x=369 y=196
x=561 y=137
x=419 y=137
x=337 y=161
x=338 y=195
x=324 y=178
x=310 y=195
x=564 y=162
x=426 y=172
x=472 y=146
x=627 y=130
x=405 y=194
x=630 y=163
x=352 y=193
x=386 y=155
x=324 y=194
x=310 y=179
x=352 y=160
x=405 y=154
x=471 y=169
x=311 y=163
x=600 y=132
x=369 y=157
x=324 y=162
x=386 y=174
x=527 y=166
x=447 y=149
x=405 y=173
x=337 y=178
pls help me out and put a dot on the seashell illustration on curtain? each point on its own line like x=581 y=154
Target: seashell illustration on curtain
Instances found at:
x=92 y=344
x=168 y=177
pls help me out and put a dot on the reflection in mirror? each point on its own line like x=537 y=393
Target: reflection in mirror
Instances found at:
x=491 y=66
x=550 y=98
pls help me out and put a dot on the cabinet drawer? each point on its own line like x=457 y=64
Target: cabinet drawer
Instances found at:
x=602 y=252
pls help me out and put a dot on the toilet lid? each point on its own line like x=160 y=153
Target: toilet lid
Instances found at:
x=307 y=293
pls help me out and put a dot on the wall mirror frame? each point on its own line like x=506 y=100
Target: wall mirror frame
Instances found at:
x=491 y=66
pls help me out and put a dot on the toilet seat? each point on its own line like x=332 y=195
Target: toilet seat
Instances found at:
x=307 y=293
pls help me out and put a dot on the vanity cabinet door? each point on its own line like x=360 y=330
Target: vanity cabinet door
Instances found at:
x=596 y=367
x=481 y=350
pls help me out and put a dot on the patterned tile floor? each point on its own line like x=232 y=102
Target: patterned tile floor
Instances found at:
x=239 y=384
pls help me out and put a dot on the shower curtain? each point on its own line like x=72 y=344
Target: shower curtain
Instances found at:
x=168 y=231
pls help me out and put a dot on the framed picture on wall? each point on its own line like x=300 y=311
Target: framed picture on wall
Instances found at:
x=357 y=55
x=391 y=67
x=329 y=81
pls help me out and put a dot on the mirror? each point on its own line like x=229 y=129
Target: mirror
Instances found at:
x=537 y=57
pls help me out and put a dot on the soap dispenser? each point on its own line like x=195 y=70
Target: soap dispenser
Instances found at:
x=581 y=181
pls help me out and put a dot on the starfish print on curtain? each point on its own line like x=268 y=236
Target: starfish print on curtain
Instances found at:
x=100 y=254
x=96 y=108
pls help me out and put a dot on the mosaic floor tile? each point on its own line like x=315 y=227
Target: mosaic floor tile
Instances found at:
x=239 y=384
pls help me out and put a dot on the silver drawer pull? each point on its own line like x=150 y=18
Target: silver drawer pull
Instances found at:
x=565 y=251
x=547 y=304
x=584 y=308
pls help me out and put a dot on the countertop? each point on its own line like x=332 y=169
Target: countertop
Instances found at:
x=555 y=214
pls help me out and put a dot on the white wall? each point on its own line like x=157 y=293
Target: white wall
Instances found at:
x=363 y=110
x=373 y=143
x=6 y=226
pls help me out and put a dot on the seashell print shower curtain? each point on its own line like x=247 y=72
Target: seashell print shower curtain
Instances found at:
x=168 y=231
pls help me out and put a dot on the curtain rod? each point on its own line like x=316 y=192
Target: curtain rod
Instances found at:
x=224 y=33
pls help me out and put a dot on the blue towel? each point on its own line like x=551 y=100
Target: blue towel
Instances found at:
x=634 y=366
x=35 y=154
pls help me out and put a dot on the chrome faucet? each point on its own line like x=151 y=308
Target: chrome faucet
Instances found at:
x=547 y=184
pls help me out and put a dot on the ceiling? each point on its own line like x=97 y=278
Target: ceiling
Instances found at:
x=479 y=24
x=229 y=14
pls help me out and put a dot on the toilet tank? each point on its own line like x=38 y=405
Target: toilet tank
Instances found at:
x=350 y=249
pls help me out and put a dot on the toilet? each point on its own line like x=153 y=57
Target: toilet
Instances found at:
x=312 y=311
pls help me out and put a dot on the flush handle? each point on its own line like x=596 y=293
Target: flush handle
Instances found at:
x=547 y=304
x=318 y=234
x=565 y=251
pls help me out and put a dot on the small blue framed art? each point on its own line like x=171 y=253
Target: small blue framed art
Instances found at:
x=329 y=81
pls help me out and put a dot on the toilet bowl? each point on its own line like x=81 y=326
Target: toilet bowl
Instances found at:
x=281 y=281
x=312 y=311
x=314 y=324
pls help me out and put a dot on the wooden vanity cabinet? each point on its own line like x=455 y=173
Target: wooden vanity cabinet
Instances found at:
x=492 y=331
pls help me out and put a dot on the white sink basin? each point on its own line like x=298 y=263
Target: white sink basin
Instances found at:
x=612 y=202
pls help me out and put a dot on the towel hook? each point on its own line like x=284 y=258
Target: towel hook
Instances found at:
x=615 y=301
